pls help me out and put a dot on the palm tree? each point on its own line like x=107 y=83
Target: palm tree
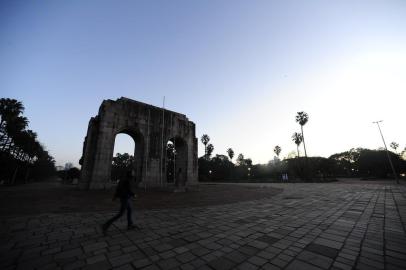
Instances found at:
x=209 y=150
x=277 y=150
x=240 y=159
x=302 y=119
x=21 y=145
x=21 y=141
x=230 y=153
x=9 y=110
x=14 y=126
x=394 y=146
x=205 y=140
x=30 y=144
x=298 y=139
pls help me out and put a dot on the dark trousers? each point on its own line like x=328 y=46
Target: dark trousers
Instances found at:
x=125 y=204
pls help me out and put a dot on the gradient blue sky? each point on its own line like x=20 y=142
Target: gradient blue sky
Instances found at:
x=239 y=69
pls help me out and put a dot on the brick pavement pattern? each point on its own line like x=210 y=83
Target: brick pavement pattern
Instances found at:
x=307 y=226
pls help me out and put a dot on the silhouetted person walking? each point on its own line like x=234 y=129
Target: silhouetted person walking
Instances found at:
x=125 y=194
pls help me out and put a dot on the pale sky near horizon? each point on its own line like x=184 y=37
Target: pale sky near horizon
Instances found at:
x=240 y=70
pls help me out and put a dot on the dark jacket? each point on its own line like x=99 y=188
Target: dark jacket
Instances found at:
x=123 y=190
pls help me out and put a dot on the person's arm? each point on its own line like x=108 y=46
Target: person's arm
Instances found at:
x=116 y=193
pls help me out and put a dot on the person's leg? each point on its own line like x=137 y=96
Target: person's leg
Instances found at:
x=117 y=216
x=129 y=213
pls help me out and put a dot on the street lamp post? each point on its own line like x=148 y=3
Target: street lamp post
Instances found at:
x=387 y=152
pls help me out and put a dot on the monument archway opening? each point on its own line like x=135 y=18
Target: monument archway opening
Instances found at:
x=177 y=161
x=128 y=156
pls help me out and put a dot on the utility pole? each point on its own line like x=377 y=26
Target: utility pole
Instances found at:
x=162 y=143
x=387 y=152
x=147 y=153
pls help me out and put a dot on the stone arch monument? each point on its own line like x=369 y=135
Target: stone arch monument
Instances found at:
x=151 y=128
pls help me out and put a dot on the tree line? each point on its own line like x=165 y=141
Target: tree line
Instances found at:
x=356 y=162
x=22 y=156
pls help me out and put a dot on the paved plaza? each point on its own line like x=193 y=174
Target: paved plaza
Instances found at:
x=341 y=225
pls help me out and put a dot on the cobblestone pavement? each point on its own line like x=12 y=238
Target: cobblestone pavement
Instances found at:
x=307 y=226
